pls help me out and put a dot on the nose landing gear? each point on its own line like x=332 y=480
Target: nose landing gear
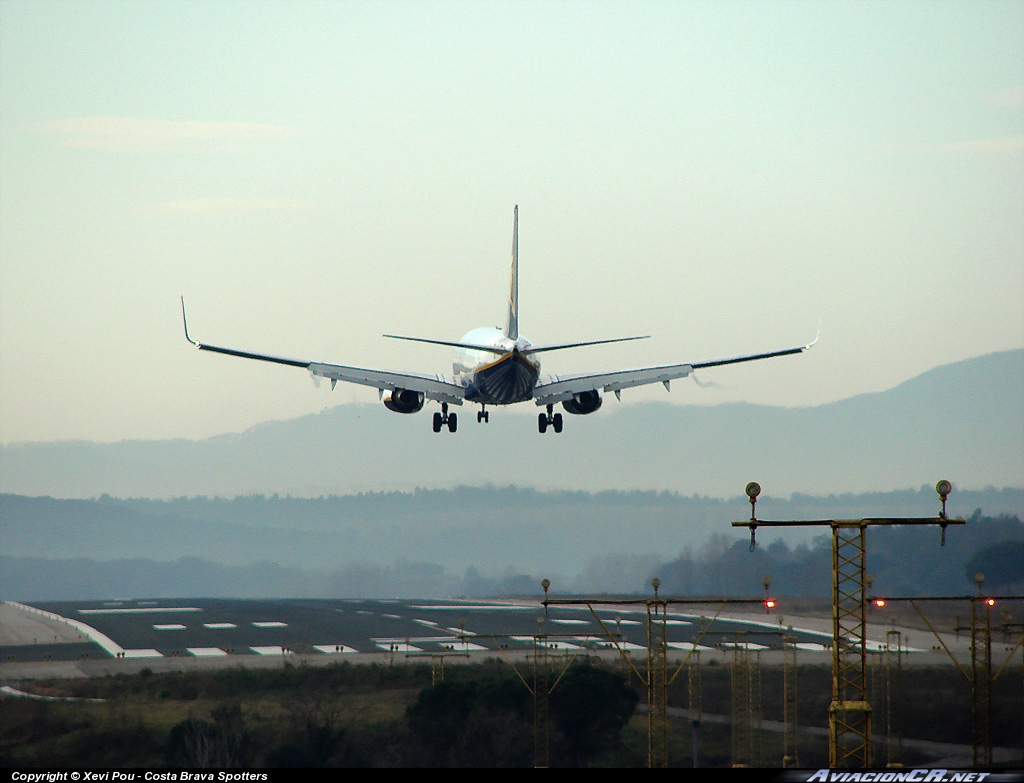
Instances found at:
x=483 y=416
x=544 y=419
x=444 y=418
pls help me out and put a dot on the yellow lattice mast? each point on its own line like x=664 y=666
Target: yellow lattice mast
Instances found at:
x=849 y=719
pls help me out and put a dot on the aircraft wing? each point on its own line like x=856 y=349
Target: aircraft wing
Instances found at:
x=558 y=388
x=435 y=387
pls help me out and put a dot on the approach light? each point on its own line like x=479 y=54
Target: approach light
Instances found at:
x=990 y=601
x=769 y=604
x=943 y=488
x=879 y=602
x=753 y=490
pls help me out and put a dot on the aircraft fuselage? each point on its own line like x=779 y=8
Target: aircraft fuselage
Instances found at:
x=496 y=379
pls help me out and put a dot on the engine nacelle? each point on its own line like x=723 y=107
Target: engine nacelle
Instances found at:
x=583 y=403
x=404 y=401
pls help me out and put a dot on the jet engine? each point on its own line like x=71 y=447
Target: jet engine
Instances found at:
x=584 y=402
x=404 y=401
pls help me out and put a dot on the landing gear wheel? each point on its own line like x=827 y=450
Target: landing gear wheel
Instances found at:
x=483 y=416
x=445 y=419
x=554 y=419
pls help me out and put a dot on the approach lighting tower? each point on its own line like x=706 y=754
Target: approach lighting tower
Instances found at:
x=849 y=714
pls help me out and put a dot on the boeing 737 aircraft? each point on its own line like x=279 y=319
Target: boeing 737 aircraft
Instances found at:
x=496 y=367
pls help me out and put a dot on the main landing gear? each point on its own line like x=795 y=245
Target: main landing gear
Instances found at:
x=482 y=415
x=451 y=420
x=544 y=419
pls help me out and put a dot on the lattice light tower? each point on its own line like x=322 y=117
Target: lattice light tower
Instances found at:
x=984 y=672
x=657 y=679
x=743 y=700
x=849 y=714
x=790 y=733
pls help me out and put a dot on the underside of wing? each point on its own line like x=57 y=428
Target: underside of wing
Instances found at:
x=434 y=387
x=559 y=388
x=442 y=388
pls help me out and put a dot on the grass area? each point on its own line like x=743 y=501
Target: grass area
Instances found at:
x=381 y=716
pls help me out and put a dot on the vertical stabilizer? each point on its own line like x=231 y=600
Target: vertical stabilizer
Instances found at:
x=512 y=324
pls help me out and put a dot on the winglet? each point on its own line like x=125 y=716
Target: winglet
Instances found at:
x=816 y=337
x=185 y=322
x=512 y=324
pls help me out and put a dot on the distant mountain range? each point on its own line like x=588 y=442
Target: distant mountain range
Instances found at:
x=963 y=421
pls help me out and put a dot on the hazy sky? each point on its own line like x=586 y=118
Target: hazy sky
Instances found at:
x=311 y=175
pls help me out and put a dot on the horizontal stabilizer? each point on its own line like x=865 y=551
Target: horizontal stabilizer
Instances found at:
x=488 y=348
x=542 y=348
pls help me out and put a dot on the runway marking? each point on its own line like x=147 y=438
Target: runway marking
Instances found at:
x=462 y=646
x=15 y=692
x=475 y=607
x=270 y=650
x=142 y=654
x=688 y=646
x=332 y=649
x=170 y=627
x=386 y=640
x=551 y=645
x=206 y=652
x=604 y=641
x=569 y=622
x=606 y=644
x=218 y=626
x=142 y=610
x=399 y=647
x=270 y=624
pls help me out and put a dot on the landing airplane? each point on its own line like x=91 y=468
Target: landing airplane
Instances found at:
x=495 y=366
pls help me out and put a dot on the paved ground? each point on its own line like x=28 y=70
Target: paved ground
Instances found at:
x=98 y=638
x=19 y=626
x=89 y=639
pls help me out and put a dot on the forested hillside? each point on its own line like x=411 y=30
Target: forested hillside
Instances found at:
x=482 y=541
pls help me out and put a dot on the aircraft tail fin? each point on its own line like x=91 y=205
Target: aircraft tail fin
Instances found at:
x=511 y=330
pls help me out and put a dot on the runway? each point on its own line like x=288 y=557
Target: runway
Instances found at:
x=100 y=637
